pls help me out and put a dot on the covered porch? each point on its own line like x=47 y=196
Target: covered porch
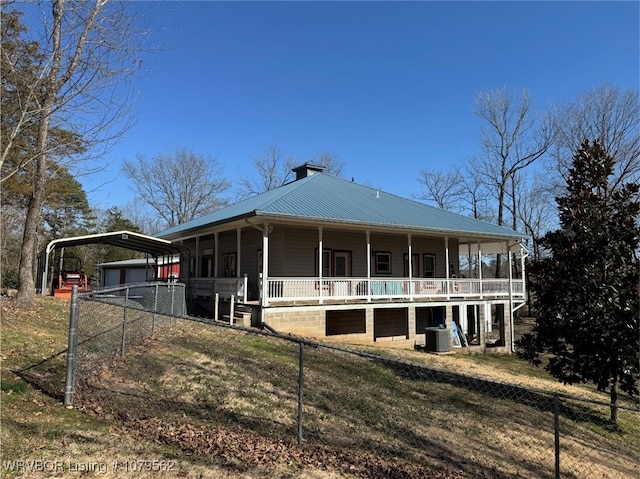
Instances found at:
x=257 y=272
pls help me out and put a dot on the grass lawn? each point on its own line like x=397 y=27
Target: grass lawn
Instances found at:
x=213 y=402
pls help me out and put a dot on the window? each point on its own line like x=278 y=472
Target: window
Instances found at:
x=229 y=265
x=326 y=263
x=429 y=265
x=383 y=262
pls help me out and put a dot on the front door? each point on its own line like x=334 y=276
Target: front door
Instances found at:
x=342 y=263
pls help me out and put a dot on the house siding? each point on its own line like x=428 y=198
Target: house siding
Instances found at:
x=292 y=251
x=277 y=252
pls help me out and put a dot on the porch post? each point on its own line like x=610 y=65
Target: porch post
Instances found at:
x=410 y=288
x=238 y=251
x=368 y=266
x=511 y=335
x=522 y=264
x=215 y=254
x=264 y=296
x=480 y=266
x=446 y=259
x=198 y=271
x=320 y=285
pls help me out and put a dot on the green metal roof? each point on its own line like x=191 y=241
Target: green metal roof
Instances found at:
x=329 y=199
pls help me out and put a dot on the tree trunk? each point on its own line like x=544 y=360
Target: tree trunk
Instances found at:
x=27 y=287
x=501 y=195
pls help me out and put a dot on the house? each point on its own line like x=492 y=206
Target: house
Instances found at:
x=325 y=257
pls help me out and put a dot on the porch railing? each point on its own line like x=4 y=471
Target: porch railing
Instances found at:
x=315 y=289
x=289 y=289
x=225 y=287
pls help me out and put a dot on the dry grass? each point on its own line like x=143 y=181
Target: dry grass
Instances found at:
x=221 y=403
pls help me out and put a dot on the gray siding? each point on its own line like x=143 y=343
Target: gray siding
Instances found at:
x=293 y=251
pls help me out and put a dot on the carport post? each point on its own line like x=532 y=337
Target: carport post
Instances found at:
x=45 y=273
x=71 y=348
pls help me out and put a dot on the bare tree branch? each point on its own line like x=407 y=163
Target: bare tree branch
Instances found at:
x=179 y=186
x=274 y=169
x=77 y=56
x=609 y=115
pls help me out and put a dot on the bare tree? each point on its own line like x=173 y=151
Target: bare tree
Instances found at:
x=443 y=188
x=330 y=162
x=83 y=49
x=179 y=186
x=461 y=190
x=512 y=139
x=535 y=210
x=609 y=115
x=475 y=197
x=275 y=169
x=139 y=212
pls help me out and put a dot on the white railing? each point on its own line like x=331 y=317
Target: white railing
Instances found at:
x=225 y=287
x=314 y=289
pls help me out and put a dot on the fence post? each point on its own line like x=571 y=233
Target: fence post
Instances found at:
x=231 y=310
x=155 y=308
x=71 y=348
x=556 y=431
x=215 y=306
x=300 y=389
x=124 y=321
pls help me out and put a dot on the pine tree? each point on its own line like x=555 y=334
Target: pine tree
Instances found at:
x=586 y=290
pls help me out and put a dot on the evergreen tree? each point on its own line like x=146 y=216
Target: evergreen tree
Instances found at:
x=116 y=221
x=586 y=289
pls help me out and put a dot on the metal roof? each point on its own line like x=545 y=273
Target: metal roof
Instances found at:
x=123 y=239
x=329 y=199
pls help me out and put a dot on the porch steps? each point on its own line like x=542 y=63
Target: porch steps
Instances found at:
x=240 y=318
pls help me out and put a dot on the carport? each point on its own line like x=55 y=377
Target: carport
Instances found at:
x=154 y=247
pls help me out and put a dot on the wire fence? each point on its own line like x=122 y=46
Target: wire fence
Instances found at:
x=242 y=397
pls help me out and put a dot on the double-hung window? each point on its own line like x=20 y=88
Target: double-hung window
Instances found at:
x=383 y=262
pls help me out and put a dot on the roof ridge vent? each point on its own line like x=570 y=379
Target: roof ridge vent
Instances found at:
x=307 y=169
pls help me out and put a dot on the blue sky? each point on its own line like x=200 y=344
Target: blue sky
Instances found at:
x=387 y=87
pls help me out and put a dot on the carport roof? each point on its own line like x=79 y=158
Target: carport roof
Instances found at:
x=123 y=239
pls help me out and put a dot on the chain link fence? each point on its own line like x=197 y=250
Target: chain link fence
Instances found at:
x=241 y=398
